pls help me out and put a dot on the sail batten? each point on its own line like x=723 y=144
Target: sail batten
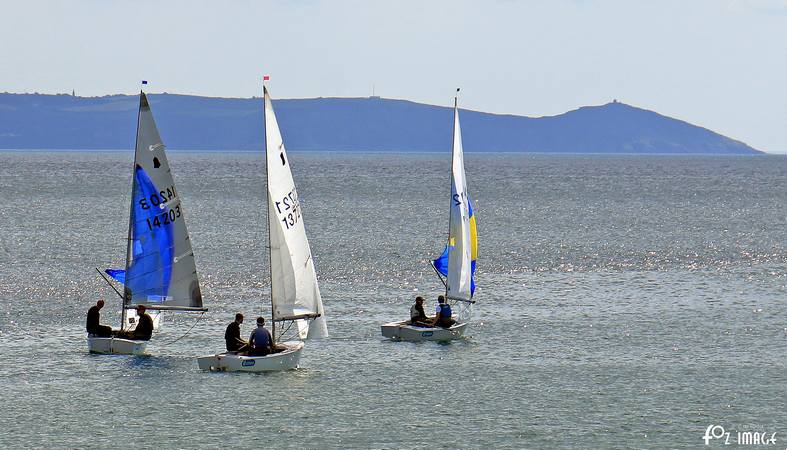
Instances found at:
x=160 y=266
x=295 y=292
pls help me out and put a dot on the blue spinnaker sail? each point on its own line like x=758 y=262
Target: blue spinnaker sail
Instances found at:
x=441 y=263
x=150 y=269
x=118 y=274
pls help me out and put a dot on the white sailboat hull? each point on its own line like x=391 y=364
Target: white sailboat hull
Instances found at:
x=118 y=346
x=403 y=331
x=230 y=362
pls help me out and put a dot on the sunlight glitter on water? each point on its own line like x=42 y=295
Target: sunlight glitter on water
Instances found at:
x=620 y=303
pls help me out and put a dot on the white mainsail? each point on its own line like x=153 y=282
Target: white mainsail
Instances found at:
x=458 y=280
x=160 y=267
x=294 y=289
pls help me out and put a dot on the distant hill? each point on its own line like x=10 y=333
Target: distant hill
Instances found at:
x=37 y=121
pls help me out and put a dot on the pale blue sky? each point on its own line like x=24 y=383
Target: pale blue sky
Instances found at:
x=721 y=64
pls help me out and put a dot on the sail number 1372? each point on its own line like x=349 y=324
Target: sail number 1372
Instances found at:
x=289 y=209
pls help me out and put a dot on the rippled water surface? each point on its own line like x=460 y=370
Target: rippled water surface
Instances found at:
x=622 y=302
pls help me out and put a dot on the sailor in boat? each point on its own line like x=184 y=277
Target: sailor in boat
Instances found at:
x=93 y=325
x=144 y=329
x=442 y=316
x=260 y=341
x=232 y=336
x=417 y=315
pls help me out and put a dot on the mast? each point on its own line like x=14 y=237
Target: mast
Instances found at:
x=268 y=201
x=129 y=238
x=453 y=144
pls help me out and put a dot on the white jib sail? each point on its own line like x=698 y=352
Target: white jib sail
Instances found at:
x=160 y=268
x=459 y=249
x=294 y=289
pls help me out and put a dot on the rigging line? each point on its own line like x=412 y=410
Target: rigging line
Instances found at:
x=439 y=275
x=110 y=284
x=285 y=331
x=187 y=331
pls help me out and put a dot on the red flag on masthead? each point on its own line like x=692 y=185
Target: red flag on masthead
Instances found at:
x=266 y=77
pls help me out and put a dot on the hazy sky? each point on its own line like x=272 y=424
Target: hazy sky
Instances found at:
x=721 y=64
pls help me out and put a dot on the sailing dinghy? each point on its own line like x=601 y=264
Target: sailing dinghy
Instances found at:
x=456 y=266
x=160 y=272
x=296 y=304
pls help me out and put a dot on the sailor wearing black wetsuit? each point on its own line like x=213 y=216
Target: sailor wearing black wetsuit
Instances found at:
x=144 y=329
x=93 y=325
x=232 y=335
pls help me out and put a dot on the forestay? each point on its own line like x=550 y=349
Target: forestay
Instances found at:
x=294 y=289
x=160 y=268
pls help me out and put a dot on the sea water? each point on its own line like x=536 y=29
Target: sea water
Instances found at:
x=622 y=301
